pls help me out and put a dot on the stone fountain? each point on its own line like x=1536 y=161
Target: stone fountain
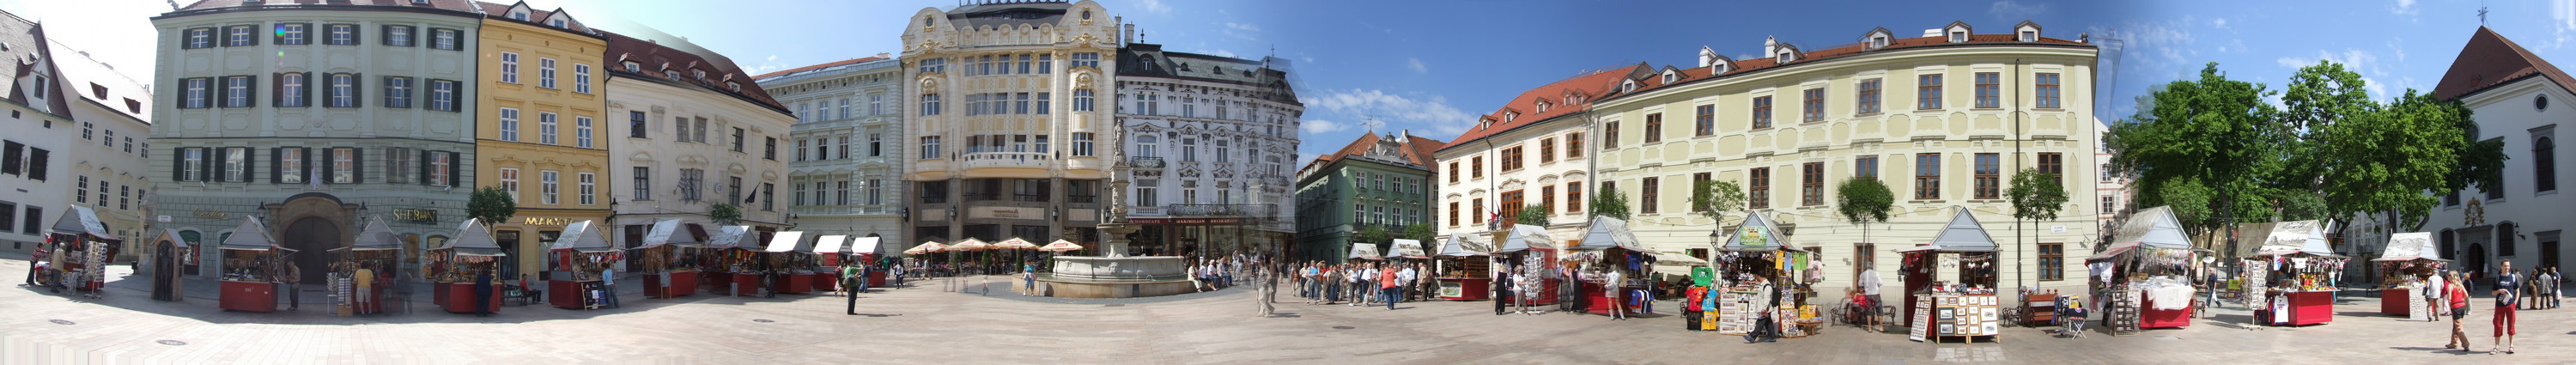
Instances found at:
x=1114 y=274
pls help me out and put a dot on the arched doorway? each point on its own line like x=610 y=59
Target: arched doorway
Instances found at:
x=2475 y=262
x=312 y=238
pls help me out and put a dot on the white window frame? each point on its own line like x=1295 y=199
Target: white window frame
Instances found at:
x=546 y=72
x=589 y=188
x=581 y=78
x=546 y=128
x=510 y=67
x=509 y=130
x=553 y=187
x=509 y=178
x=581 y=131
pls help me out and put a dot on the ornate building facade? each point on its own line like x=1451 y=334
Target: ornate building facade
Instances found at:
x=693 y=132
x=1209 y=143
x=538 y=132
x=846 y=176
x=1528 y=154
x=1008 y=120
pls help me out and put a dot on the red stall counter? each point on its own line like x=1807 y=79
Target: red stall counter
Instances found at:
x=2400 y=302
x=249 y=296
x=716 y=281
x=794 y=283
x=460 y=298
x=682 y=283
x=826 y=281
x=876 y=278
x=568 y=294
x=1466 y=288
x=748 y=284
x=2150 y=317
x=1597 y=302
x=2305 y=308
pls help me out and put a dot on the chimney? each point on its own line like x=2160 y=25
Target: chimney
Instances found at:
x=1770 y=46
x=1127 y=33
x=1707 y=56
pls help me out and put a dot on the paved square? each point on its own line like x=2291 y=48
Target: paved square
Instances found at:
x=924 y=324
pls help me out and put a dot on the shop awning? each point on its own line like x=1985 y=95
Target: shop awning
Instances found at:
x=785 y=241
x=1675 y=259
x=376 y=237
x=473 y=240
x=2285 y=238
x=1524 y=237
x=728 y=237
x=866 y=245
x=2154 y=227
x=1364 y=251
x=583 y=237
x=82 y=220
x=668 y=231
x=2410 y=246
x=829 y=243
x=1462 y=244
x=1756 y=234
x=1411 y=249
x=1963 y=234
x=250 y=236
x=1606 y=233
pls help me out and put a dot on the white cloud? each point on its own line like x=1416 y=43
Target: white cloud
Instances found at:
x=1153 y=6
x=1219 y=53
x=1414 y=111
x=2562 y=15
x=2358 y=61
x=766 y=65
x=1243 y=27
x=2404 y=7
x=1416 y=65
x=1320 y=126
x=2009 y=10
x=2220 y=23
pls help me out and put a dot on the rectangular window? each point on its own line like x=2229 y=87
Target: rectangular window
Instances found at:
x=1707 y=120
x=929 y=104
x=1547 y=199
x=290 y=165
x=551 y=188
x=635 y=127
x=1697 y=180
x=510 y=182
x=236 y=162
x=1477 y=165
x=398 y=35
x=1761 y=112
x=1512 y=159
x=1989 y=176
x=1927 y=176
x=1476 y=212
x=237 y=92
x=1574 y=197
x=2047 y=91
x=509 y=125
x=643 y=183
x=1453 y=214
x=581 y=78
x=1512 y=206
x=199 y=38
x=193 y=92
x=1989 y=90
x=1573 y=145
x=1654 y=127
x=2052 y=261
x=1760 y=181
x=1647 y=196
x=294 y=90
x=510 y=67
x=444 y=39
x=442 y=168
x=400 y=165
x=344 y=165
x=344 y=90
x=1811 y=189
x=2053 y=164
x=1868 y=97
x=546 y=72
x=80 y=191
x=1815 y=106
x=292 y=34
x=442 y=95
x=546 y=128
x=1865 y=167
x=581 y=132
x=929 y=147
x=239 y=36
x=192 y=164
x=397 y=92
x=1610 y=135
x=343 y=34
x=1927 y=92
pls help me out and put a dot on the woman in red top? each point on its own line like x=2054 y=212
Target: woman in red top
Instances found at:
x=2459 y=309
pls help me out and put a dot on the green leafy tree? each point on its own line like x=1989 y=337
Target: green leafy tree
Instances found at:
x=2212 y=131
x=491 y=205
x=1421 y=232
x=1864 y=201
x=1374 y=235
x=1609 y=203
x=725 y=213
x=2035 y=195
x=1532 y=215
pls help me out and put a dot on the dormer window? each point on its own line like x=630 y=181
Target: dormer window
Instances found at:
x=1958 y=36
x=1670 y=76
x=1508 y=117
x=1876 y=42
x=558 y=23
x=1542 y=106
x=420 y=2
x=2027 y=31
x=1785 y=57
x=736 y=86
x=2029 y=36
x=1627 y=86
x=519 y=15
x=700 y=74
x=1720 y=68
x=631 y=66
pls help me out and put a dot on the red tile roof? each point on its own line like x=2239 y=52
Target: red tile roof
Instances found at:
x=1417 y=149
x=825 y=64
x=1589 y=85
x=654 y=56
x=1767 y=62
x=2490 y=60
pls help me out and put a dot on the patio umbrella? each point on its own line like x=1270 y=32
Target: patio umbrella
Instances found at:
x=970 y=245
x=1015 y=244
x=1060 y=246
x=925 y=248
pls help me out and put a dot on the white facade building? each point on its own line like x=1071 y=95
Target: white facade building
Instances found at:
x=2517 y=98
x=846 y=174
x=78 y=136
x=694 y=131
x=1529 y=154
x=1209 y=144
x=1008 y=120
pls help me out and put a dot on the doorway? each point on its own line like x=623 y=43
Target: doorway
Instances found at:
x=312 y=238
x=2548 y=248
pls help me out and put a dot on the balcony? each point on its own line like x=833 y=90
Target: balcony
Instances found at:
x=1007 y=159
x=1145 y=162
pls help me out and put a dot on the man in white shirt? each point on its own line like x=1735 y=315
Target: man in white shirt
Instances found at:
x=1869 y=284
x=2433 y=298
x=1405 y=279
x=1610 y=287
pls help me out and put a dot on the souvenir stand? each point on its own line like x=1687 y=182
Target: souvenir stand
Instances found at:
x=472 y=252
x=2291 y=277
x=865 y=249
x=727 y=265
x=795 y=269
x=1364 y=251
x=579 y=253
x=1756 y=250
x=1951 y=284
x=376 y=249
x=2144 y=279
x=1609 y=246
x=1404 y=251
x=83 y=249
x=2403 y=267
x=1527 y=253
x=252 y=266
x=668 y=260
x=828 y=255
x=1464 y=270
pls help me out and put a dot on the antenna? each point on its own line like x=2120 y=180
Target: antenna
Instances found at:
x=1372 y=123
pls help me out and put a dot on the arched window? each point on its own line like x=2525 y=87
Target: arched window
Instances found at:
x=2544 y=161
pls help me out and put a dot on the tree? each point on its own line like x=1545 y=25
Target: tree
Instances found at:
x=1713 y=198
x=2212 y=132
x=2035 y=197
x=1421 y=232
x=1373 y=235
x=1864 y=201
x=1609 y=203
x=491 y=205
x=725 y=213
x=1532 y=215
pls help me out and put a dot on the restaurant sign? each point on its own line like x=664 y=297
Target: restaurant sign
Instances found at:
x=416 y=216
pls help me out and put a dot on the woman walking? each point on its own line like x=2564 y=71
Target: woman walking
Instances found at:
x=2459 y=298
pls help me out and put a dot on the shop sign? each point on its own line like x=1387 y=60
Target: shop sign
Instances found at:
x=416 y=216
x=1752 y=237
x=207 y=214
x=545 y=221
x=1006 y=213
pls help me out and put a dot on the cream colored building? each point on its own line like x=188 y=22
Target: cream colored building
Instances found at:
x=1529 y=153
x=1009 y=120
x=1944 y=119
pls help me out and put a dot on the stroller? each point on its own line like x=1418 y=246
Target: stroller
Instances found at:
x=2070 y=316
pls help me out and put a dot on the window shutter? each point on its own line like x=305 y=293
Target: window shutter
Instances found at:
x=310 y=164
x=214 y=158
x=454 y=160
x=308 y=90
x=357 y=90
x=179 y=164
x=358 y=161
x=276 y=88
x=328 y=163
x=276 y=155
x=250 y=164
x=423 y=167
x=36 y=162
x=252 y=87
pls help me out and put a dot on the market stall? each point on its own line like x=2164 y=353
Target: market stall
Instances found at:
x=1756 y=267
x=2144 y=279
x=1364 y=251
x=727 y=265
x=463 y=261
x=868 y=251
x=668 y=260
x=1529 y=256
x=2291 y=276
x=1950 y=284
x=793 y=269
x=252 y=268
x=170 y=257
x=828 y=257
x=83 y=248
x=579 y=255
x=2405 y=267
x=1464 y=271
x=1609 y=247
x=374 y=254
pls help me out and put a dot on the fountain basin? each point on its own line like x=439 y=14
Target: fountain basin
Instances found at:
x=1115 y=277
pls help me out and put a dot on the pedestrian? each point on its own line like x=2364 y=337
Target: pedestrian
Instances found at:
x=1028 y=278
x=1502 y=279
x=1762 y=307
x=853 y=281
x=2508 y=295
x=2435 y=288
x=1869 y=284
x=1611 y=287
x=483 y=293
x=1390 y=284
x=366 y=279
x=608 y=286
x=294 y=296
x=1405 y=281
x=36 y=263
x=2557 y=288
x=2458 y=294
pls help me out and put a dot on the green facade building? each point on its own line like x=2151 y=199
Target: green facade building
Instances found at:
x=1380 y=180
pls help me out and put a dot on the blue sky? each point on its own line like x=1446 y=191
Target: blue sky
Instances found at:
x=1432 y=66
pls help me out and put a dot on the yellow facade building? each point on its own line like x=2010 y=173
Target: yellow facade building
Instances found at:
x=538 y=121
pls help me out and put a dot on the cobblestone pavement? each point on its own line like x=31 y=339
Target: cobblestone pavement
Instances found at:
x=922 y=323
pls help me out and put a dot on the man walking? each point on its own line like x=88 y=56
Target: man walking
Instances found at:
x=294 y=295
x=854 y=280
x=2435 y=289
x=608 y=286
x=2508 y=295
x=1405 y=281
x=483 y=293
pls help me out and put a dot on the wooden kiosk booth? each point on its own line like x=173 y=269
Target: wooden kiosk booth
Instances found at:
x=458 y=264
x=2152 y=263
x=2404 y=269
x=2290 y=278
x=668 y=258
x=170 y=254
x=728 y=265
x=579 y=254
x=828 y=256
x=376 y=253
x=252 y=267
x=1754 y=253
x=794 y=269
x=1608 y=246
x=1465 y=272
x=1529 y=256
x=83 y=250
x=1950 y=284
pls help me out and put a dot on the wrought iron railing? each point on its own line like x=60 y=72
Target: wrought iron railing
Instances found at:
x=1145 y=162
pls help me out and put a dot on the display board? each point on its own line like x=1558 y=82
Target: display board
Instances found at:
x=1736 y=312
x=1922 y=321
x=2125 y=316
x=1956 y=316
